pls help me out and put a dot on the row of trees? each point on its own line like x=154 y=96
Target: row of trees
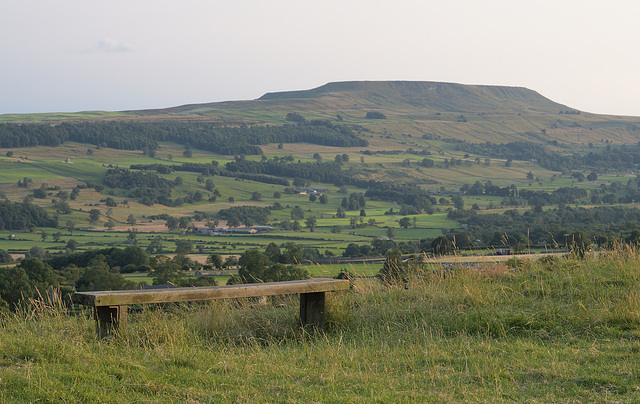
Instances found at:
x=100 y=269
x=611 y=158
x=209 y=136
x=23 y=216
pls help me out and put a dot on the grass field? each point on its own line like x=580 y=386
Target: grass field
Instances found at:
x=46 y=167
x=565 y=331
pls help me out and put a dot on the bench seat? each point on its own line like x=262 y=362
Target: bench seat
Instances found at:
x=110 y=307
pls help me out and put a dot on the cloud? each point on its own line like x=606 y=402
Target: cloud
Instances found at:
x=109 y=45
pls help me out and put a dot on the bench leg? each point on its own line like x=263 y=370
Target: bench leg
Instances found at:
x=109 y=319
x=312 y=306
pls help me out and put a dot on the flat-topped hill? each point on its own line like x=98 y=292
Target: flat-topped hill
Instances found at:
x=435 y=96
x=424 y=109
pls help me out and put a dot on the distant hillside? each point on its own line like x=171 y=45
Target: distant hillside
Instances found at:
x=420 y=109
x=442 y=97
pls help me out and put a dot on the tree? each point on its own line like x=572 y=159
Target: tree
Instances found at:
x=41 y=275
x=295 y=226
x=131 y=220
x=272 y=251
x=15 y=285
x=172 y=223
x=165 y=270
x=72 y=245
x=297 y=213
x=312 y=198
x=311 y=222
x=256 y=196
x=62 y=207
x=252 y=263
x=184 y=222
x=209 y=185
x=530 y=176
x=184 y=246
x=155 y=247
x=62 y=195
x=5 y=257
x=458 y=202
x=43 y=235
x=579 y=244
x=215 y=260
x=353 y=222
x=405 y=222
x=132 y=237
x=292 y=253
x=393 y=269
x=110 y=224
x=299 y=182
x=323 y=199
x=94 y=215
x=390 y=233
x=36 y=252
x=441 y=246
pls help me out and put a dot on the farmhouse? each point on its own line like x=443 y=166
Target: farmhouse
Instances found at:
x=204 y=231
x=217 y=231
x=244 y=230
x=309 y=190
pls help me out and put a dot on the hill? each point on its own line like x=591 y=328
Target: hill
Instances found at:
x=429 y=96
x=433 y=110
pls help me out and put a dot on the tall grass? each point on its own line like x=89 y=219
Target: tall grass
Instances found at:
x=563 y=330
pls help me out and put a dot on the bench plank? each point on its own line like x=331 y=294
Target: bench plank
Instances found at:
x=110 y=307
x=126 y=297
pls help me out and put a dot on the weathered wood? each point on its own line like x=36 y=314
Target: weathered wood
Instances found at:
x=123 y=297
x=109 y=319
x=110 y=307
x=312 y=307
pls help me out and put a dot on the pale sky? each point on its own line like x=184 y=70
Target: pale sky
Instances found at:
x=78 y=55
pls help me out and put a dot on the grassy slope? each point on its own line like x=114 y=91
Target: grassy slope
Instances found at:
x=561 y=333
x=493 y=113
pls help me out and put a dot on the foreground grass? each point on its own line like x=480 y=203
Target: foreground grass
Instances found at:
x=563 y=331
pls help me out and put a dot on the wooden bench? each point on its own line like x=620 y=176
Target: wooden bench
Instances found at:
x=110 y=307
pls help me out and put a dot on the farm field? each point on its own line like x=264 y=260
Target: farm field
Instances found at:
x=48 y=167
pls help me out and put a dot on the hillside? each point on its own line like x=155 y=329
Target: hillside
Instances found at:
x=474 y=113
x=428 y=96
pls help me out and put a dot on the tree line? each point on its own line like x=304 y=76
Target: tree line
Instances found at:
x=23 y=216
x=208 y=136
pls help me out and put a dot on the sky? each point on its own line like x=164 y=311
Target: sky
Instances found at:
x=115 y=55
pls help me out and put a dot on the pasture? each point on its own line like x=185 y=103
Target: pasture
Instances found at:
x=478 y=336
